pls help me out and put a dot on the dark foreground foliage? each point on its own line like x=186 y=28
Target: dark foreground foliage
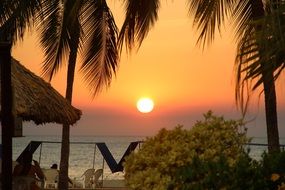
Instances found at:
x=245 y=174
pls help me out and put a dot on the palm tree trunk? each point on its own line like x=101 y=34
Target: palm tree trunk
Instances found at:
x=64 y=160
x=6 y=112
x=269 y=89
x=271 y=112
x=65 y=146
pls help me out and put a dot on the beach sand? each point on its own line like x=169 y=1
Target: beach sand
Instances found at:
x=99 y=188
x=107 y=185
x=114 y=183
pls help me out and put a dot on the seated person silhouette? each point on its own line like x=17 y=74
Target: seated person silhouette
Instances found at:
x=54 y=166
x=26 y=168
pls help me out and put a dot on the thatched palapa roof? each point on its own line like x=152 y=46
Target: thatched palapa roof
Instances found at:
x=37 y=100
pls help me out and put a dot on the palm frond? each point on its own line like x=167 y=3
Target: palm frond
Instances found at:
x=209 y=15
x=247 y=62
x=140 y=16
x=75 y=26
x=6 y=10
x=261 y=50
x=275 y=32
x=16 y=16
x=54 y=37
x=241 y=16
x=56 y=30
x=101 y=55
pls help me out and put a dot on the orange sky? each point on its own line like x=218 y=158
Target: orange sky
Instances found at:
x=183 y=81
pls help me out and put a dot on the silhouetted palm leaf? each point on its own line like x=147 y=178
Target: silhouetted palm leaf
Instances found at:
x=209 y=15
x=100 y=37
x=56 y=30
x=140 y=17
x=17 y=15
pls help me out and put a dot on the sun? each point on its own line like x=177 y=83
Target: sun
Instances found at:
x=145 y=105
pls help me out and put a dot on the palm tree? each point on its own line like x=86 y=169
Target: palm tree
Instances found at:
x=70 y=26
x=243 y=14
x=261 y=58
x=209 y=15
x=251 y=55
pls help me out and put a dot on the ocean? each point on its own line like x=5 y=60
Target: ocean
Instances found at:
x=82 y=155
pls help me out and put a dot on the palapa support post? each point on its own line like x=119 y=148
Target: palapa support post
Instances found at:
x=7 y=119
x=94 y=156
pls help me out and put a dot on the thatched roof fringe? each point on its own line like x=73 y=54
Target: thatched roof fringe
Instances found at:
x=37 y=100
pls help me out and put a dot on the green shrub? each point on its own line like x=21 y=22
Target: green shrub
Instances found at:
x=245 y=174
x=273 y=169
x=155 y=165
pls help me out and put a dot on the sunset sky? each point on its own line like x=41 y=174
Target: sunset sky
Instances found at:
x=183 y=81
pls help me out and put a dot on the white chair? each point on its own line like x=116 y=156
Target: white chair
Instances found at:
x=86 y=180
x=51 y=178
x=98 y=173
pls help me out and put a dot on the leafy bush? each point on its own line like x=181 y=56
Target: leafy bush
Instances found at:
x=273 y=169
x=245 y=174
x=155 y=165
